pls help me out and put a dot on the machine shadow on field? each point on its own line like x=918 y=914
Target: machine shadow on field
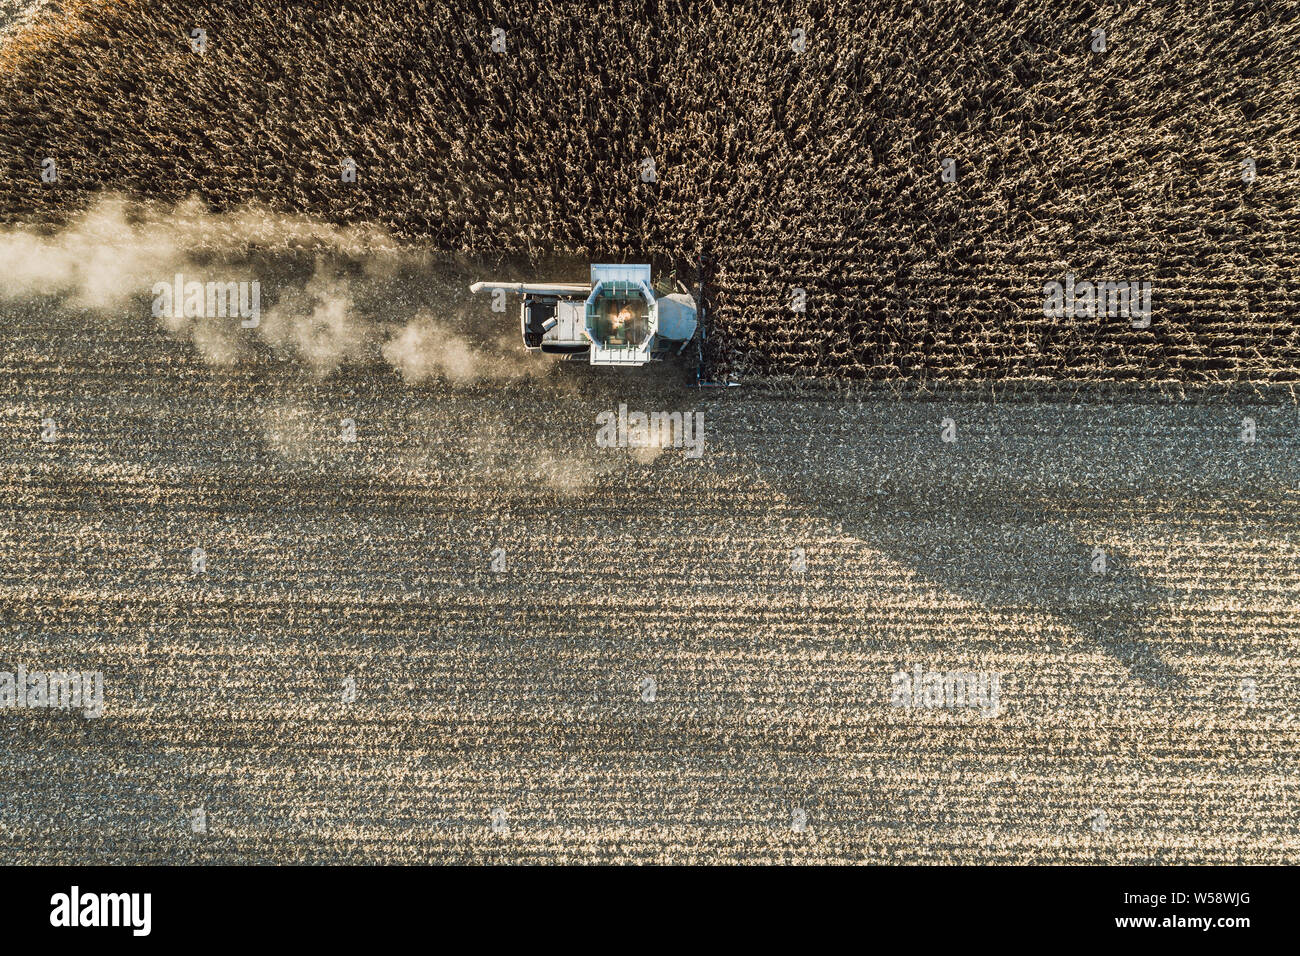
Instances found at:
x=989 y=519
x=1020 y=555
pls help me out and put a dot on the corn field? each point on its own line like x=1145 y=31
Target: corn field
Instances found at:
x=363 y=586
x=818 y=169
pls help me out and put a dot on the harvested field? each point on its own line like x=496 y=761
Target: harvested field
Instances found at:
x=819 y=170
x=524 y=689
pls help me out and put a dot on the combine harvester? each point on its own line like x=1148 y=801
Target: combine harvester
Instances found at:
x=615 y=320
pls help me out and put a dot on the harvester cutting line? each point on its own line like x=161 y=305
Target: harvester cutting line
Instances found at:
x=616 y=319
x=704 y=377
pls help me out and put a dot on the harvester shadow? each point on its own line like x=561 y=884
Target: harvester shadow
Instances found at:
x=992 y=543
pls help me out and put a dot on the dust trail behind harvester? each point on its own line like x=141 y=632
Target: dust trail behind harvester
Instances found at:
x=344 y=311
x=333 y=295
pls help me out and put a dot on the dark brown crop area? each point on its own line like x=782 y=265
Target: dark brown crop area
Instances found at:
x=819 y=169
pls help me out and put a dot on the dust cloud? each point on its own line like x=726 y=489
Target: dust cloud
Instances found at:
x=330 y=295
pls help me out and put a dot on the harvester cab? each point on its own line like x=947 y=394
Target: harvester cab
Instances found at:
x=616 y=319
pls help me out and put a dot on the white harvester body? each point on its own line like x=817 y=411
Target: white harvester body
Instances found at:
x=615 y=320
